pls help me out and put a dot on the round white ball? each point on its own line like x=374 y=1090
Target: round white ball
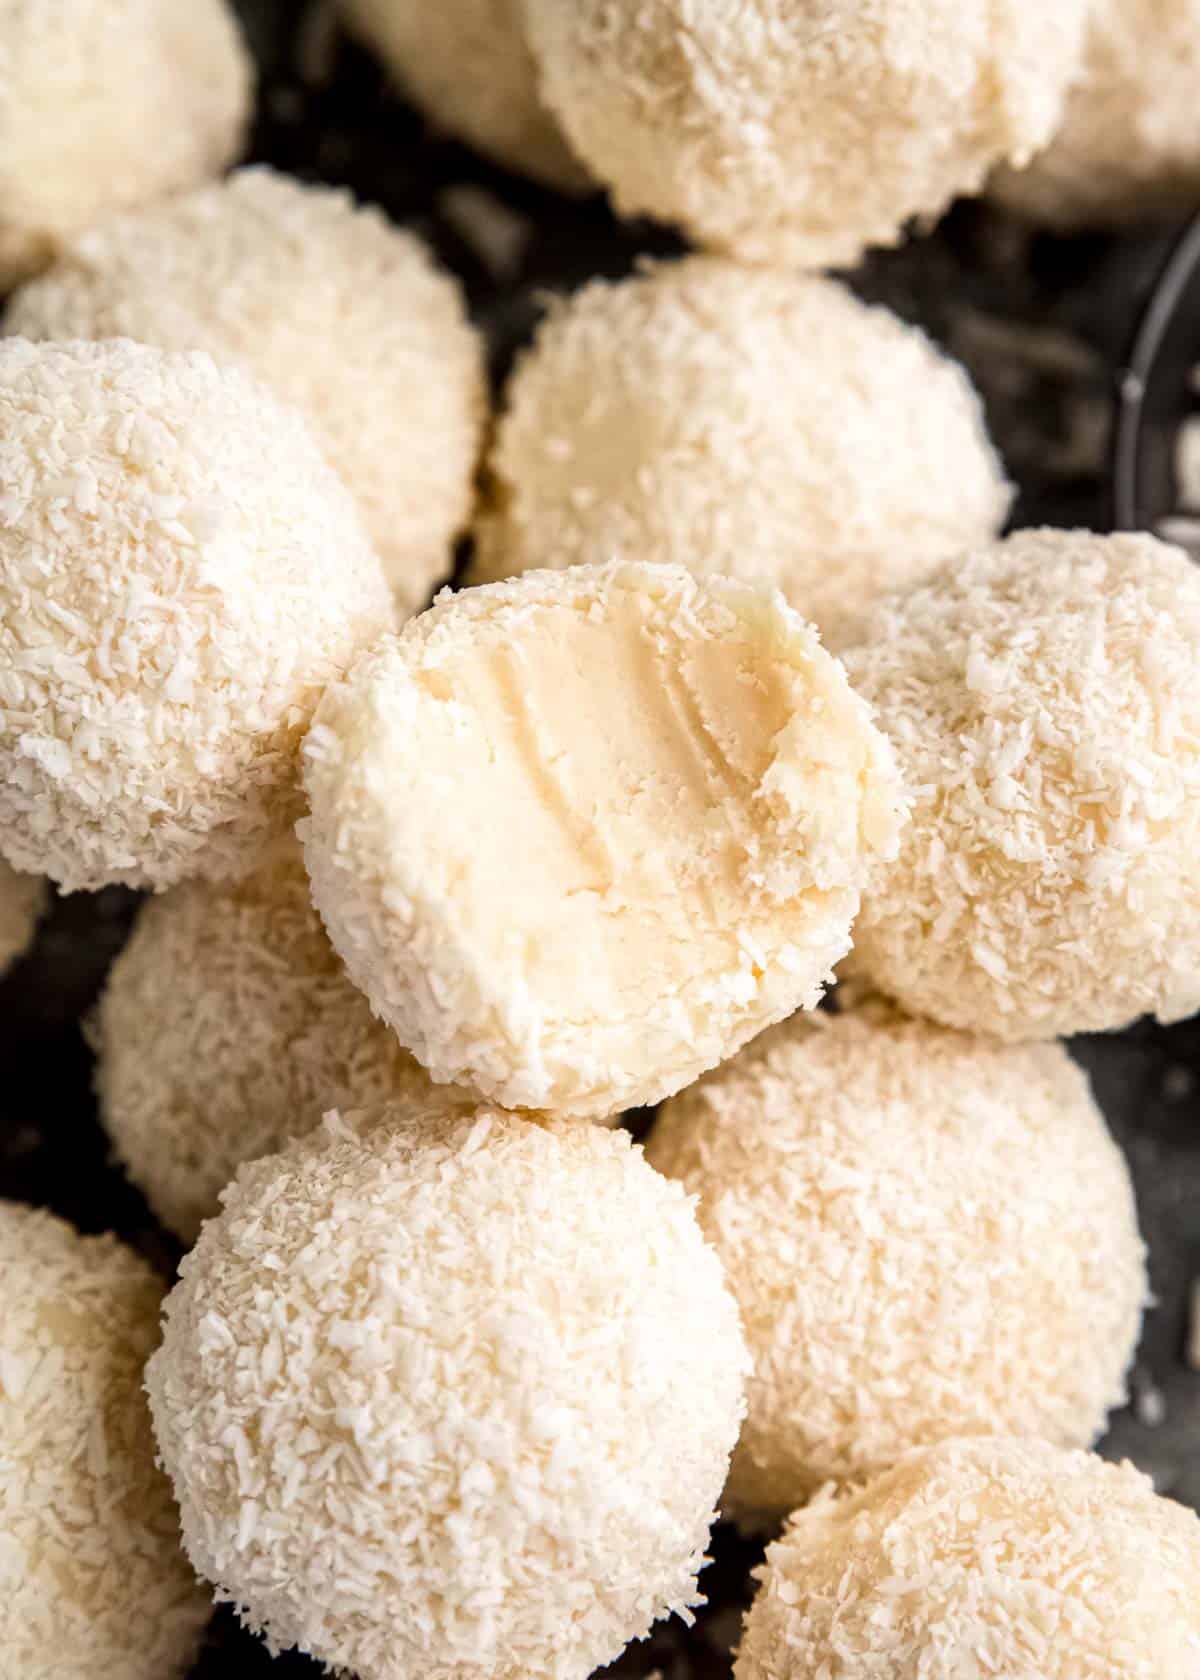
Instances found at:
x=181 y=575
x=333 y=309
x=158 y=97
x=928 y=1235
x=227 y=1027
x=477 y=1423
x=91 y=1575
x=579 y=836
x=764 y=425
x=22 y=899
x=996 y=1557
x=1042 y=699
x=1128 y=147
x=799 y=133
x=467 y=65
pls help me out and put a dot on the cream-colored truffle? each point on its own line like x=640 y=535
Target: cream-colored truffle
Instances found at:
x=105 y=104
x=466 y=64
x=22 y=898
x=580 y=835
x=1128 y=148
x=333 y=309
x=1042 y=699
x=928 y=1235
x=759 y=424
x=227 y=1027
x=181 y=574
x=799 y=133
x=92 y=1578
x=983 y=1558
x=477 y=1424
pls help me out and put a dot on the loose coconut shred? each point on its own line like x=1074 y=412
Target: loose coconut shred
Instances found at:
x=451 y=1396
x=979 y=1560
x=92 y=1580
x=1042 y=699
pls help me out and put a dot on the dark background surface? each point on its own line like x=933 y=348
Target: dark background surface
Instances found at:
x=1043 y=324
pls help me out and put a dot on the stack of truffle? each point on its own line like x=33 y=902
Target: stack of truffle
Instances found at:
x=455 y=1377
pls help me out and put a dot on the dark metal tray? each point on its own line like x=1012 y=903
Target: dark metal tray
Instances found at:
x=1044 y=326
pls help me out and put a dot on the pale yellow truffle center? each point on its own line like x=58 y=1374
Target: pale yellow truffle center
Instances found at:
x=626 y=769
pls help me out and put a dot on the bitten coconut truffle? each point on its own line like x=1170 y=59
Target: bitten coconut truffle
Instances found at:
x=799 y=133
x=478 y=1423
x=579 y=836
x=333 y=309
x=1005 y=1558
x=1042 y=699
x=22 y=898
x=227 y=1027
x=764 y=425
x=928 y=1235
x=467 y=65
x=1128 y=147
x=181 y=575
x=92 y=1577
x=158 y=96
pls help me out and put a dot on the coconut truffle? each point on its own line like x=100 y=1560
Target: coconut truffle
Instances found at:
x=333 y=309
x=22 y=898
x=764 y=425
x=478 y=1423
x=1128 y=148
x=158 y=93
x=928 y=1235
x=465 y=63
x=798 y=134
x=227 y=1027
x=181 y=575
x=579 y=836
x=1042 y=699
x=91 y=1573
x=977 y=1558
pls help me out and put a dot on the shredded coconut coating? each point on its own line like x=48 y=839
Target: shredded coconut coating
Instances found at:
x=92 y=1580
x=181 y=575
x=579 y=836
x=22 y=899
x=227 y=1027
x=798 y=132
x=983 y=1560
x=451 y=1396
x=928 y=1234
x=763 y=425
x=466 y=64
x=333 y=309
x=1128 y=148
x=158 y=94
x=1042 y=699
